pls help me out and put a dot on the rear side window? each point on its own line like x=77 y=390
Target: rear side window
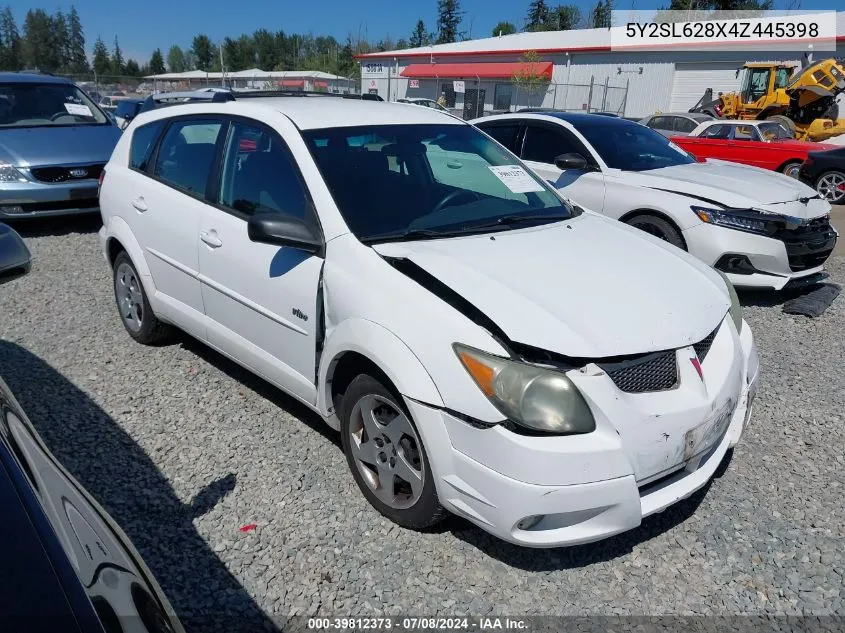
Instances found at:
x=543 y=145
x=186 y=155
x=143 y=141
x=684 y=125
x=659 y=123
x=505 y=134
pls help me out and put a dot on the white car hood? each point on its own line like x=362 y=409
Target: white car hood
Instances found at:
x=587 y=288
x=734 y=185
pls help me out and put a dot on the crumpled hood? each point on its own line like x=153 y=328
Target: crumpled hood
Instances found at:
x=57 y=145
x=734 y=185
x=590 y=287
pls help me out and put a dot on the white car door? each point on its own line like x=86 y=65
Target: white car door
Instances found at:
x=262 y=301
x=542 y=143
x=165 y=206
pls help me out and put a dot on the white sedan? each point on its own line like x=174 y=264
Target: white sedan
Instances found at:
x=482 y=346
x=761 y=228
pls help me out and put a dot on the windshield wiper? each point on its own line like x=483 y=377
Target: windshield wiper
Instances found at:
x=411 y=234
x=510 y=220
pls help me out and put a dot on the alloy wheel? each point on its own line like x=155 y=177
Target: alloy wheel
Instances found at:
x=386 y=450
x=130 y=297
x=831 y=187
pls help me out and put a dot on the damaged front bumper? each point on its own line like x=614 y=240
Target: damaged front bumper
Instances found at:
x=648 y=452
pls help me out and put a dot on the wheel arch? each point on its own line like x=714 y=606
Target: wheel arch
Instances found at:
x=789 y=161
x=660 y=214
x=345 y=356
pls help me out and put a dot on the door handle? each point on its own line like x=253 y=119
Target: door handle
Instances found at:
x=211 y=239
x=139 y=204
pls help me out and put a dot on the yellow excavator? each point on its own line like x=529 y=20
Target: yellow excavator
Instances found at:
x=803 y=99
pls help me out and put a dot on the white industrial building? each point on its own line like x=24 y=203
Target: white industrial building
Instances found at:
x=583 y=72
x=255 y=78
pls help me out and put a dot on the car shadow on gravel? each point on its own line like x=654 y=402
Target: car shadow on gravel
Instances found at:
x=123 y=478
x=260 y=386
x=65 y=225
x=542 y=560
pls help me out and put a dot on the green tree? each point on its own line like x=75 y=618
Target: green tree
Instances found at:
x=246 y=46
x=10 y=41
x=61 y=42
x=346 y=59
x=528 y=78
x=232 y=55
x=564 y=18
x=600 y=16
x=102 y=61
x=37 y=45
x=504 y=28
x=117 y=66
x=156 y=66
x=420 y=36
x=266 y=56
x=721 y=5
x=203 y=51
x=449 y=17
x=176 y=60
x=538 y=16
x=131 y=68
x=76 y=45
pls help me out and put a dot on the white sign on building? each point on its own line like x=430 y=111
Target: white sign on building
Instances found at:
x=459 y=86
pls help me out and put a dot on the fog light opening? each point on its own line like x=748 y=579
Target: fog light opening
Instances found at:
x=530 y=522
x=736 y=264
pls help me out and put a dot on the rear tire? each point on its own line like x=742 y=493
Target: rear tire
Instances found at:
x=658 y=227
x=791 y=168
x=831 y=186
x=386 y=456
x=785 y=121
x=132 y=304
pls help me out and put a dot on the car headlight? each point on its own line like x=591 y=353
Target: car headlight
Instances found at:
x=8 y=173
x=533 y=397
x=748 y=220
x=736 y=308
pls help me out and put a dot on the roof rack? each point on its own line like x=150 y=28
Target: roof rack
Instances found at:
x=163 y=99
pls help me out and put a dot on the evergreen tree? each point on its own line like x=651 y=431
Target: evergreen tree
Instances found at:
x=76 y=45
x=449 y=17
x=102 y=61
x=538 y=16
x=420 y=36
x=61 y=42
x=10 y=50
x=600 y=18
x=132 y=69
x=266 y=56
x=203 y=51
x=156 y=65
x=176 y=60
x=564 y=18
x=117 y=59
x=37 y=45
x=504 y=28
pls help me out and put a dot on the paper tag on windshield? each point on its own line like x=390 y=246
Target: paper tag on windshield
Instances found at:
x=78 y=109
x=515 y=178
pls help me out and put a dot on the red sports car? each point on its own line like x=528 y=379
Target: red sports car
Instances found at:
x=765 y=144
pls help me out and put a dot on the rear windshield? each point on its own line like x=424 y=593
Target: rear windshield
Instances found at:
x=433 y=177
x=46 y=104
x=633 y=147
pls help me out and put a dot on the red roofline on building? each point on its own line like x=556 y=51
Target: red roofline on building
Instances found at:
x=585 y=49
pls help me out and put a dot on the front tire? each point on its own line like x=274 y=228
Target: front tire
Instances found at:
x=132 y=304
x=791 y=169
x=386 y=456
x=831 y=186
x=658 y=227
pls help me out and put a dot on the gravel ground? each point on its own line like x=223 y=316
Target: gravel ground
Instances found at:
x=184 y=448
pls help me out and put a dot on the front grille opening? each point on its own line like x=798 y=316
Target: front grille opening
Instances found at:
x=63 y=174
x=703 y=346
x=652 y=372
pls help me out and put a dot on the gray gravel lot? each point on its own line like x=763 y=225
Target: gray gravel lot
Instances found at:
x=184 y=448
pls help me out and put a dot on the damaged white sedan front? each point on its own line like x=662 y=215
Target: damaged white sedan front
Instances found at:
x=482 y=346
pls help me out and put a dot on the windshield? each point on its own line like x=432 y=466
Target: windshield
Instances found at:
x=47 y=104
x=633 y=147
x=435 y=180
x=773 y=132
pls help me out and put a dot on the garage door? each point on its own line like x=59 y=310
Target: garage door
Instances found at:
x=691 y=80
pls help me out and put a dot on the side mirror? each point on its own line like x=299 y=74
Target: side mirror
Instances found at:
x=282 y=229
x=571 y=161
x=15 y=259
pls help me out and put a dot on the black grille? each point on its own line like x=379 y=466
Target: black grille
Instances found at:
x=653 y=372
x=703 y=346
x=808 y=245
x=62 y=174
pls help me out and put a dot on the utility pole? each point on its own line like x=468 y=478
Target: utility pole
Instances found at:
x=222 y=67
